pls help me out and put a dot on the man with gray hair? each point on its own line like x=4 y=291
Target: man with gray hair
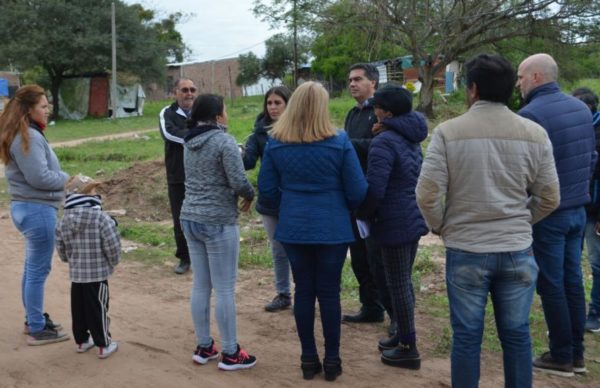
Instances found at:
x=557 y=239
x=172 y=120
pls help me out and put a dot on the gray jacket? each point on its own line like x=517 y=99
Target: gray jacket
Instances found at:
x=215 y=177
x=87 y=238
x=35 y=176
x=488 y=175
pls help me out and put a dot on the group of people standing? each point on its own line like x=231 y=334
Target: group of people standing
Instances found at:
x=506 y=191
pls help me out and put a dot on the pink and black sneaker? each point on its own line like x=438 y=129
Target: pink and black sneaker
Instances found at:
x=203 y=355
x=238 y=360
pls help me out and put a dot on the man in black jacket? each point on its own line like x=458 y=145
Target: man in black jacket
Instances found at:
x=172 y=121
x=365 y=253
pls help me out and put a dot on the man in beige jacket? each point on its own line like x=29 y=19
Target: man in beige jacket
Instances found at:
x=488 y=175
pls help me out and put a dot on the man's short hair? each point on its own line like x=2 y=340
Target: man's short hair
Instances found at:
x=371 y=72
x=588 y=96
x=493 y=75
x=176 y=84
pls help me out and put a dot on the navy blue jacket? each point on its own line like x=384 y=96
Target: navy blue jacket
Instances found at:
x=358 y=124
x=253 y=151
x=395 y=160
x=568 y=122
x=316 y=185
x=593 y=208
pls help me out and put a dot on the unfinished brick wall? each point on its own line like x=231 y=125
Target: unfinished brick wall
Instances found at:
x=216 y=77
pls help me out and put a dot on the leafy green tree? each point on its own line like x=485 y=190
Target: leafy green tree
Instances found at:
x=74 y=37
x=279 y=55
x=342 y=39
x=250 y=69
x=437 y=32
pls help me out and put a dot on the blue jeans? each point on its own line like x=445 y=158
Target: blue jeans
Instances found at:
x=593 y=247
x=214 y=252
x=510 y=278
x=281 y=264
x=37 y=223
x=557 y=243
x=317 y=271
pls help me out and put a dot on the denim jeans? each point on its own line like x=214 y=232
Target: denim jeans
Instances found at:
x=593 y=248
x=510 y=278
x=557 y=244
x=37 y=223
x=281 y=264
x=317 y=271
x=214 y=252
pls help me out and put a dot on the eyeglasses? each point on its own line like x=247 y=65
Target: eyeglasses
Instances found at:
x=188 y=90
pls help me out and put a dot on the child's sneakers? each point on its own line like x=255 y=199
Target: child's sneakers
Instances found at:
x=84 y=347
x=238 y=360
x=204 y=354
x=105 y=352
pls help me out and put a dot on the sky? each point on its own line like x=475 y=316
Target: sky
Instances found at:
x=218 y=28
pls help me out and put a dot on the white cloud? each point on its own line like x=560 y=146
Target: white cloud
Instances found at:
x=218 y=28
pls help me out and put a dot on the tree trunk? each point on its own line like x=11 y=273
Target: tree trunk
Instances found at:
x=427 y=90
x=55 y=81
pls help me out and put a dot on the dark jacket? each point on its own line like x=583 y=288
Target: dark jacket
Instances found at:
x=253 y=151
x=593 y=208
x=568 y=122
x=358 y=124
x=172 y=121
x=317 y=185
x=395 y=160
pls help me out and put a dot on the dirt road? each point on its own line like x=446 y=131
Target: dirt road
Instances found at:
x=151 y=320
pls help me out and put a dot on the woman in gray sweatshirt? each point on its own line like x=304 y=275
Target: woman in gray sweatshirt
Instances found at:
x=36 y=187
x=214 y=179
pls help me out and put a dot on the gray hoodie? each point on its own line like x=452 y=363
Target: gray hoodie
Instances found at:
x=215 y=177
x=35 y=176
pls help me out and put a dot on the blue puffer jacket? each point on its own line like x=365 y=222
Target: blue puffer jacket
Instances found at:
x=316 y=186
x=395 y=160
x=568 y=122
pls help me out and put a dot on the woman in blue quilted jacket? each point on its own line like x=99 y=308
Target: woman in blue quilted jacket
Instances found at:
x=312 y=173
x=396 y=222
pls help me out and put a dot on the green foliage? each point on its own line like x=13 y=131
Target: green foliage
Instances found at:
x=279 y=55
x=342 y=40
x=250 y=69
x=72 y=38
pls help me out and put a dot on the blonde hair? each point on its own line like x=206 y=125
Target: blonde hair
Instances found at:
x=306 y=117
x=15 y=119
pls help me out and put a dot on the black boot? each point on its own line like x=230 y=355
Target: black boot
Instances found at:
x=333 y=368
x=388 y=343
x=310 y=367
x=403 y=356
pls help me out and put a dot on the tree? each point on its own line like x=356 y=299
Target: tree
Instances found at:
x=296 y=16
x=74 y=37
x=250 y=69
x=279 y=55
x=342 y=40
x=437 y=32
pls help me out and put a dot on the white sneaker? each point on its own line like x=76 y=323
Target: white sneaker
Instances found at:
x=105 y=352
x=84 y=347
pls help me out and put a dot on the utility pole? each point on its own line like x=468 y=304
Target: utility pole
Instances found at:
x=113 y=85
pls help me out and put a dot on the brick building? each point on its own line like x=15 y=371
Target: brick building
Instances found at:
x=210 y=77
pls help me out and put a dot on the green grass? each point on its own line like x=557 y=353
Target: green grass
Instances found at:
x=109 y=156
x=65 y=130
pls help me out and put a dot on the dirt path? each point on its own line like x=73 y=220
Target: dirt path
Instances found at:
x=73 y=143
x=151 y=320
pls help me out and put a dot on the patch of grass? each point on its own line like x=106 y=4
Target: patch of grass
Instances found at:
x=152 y=234
x=442 y=341
x=65 y=130
x=109 y=156
x=4 y=196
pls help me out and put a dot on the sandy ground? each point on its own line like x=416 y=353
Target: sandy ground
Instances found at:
x=151 y=321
